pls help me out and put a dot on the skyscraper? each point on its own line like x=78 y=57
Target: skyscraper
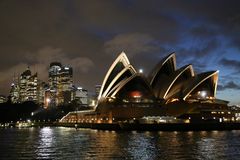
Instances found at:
x=24 y=88
x=60 y=84
x=14 y=90
x=42 y=87
x=97 y=90
x=81 y=96
x=23 y=84
x=53 y=79
x=53 y=71
x=65 y=85
x=58 y=91
x=3 y=99
x=32 y=88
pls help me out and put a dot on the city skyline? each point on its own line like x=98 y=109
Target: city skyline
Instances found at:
x=58 y=90
x=88 y=36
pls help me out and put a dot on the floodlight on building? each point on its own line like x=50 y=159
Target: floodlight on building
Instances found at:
x=203 y=94
x=48 y=100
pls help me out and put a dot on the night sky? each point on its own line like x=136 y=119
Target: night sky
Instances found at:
x=88 y=35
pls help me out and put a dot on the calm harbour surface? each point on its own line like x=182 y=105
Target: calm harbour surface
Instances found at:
x=69 y=143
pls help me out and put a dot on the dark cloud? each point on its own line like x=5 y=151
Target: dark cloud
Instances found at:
x=200 y=48
x=203 y=31
x=229 y=85
x=132 y=44
x=234 y=64
x=118 y=17
x=200 y=53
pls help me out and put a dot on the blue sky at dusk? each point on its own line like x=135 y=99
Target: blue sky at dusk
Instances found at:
x=88 y=35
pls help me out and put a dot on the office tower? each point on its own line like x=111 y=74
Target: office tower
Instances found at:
x=14 y=93
x=60 y=84
x=53 y=79
x=97 y=90
x=23 y=84
x=65 y=85
x=32 y=88
x=81 y=96
x=3 y=99
x=42 y=87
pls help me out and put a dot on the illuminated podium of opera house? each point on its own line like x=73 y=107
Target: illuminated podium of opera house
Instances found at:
x=167 y=95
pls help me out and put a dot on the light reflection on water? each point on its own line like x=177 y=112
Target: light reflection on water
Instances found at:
x=45 y=148
x=68 y=143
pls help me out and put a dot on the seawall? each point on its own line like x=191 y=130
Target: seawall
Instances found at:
x=156 y=127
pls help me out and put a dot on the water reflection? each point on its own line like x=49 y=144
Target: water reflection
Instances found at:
x=142 y=146
x=68 y=143
x=45 y=149
x=102 y=144
x=206 y=148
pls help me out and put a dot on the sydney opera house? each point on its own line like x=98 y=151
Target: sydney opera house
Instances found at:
x=167 y=94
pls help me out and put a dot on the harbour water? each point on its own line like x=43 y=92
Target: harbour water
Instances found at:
x=69 y=143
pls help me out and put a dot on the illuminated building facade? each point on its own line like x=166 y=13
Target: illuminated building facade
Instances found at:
x=58 y=91
x=97 y=90
x=3 y=99
x=81 y=96
x=60 y=84
x=23 y=80
x=53 y=74
x=28 y=87
x=53 y=78
x=14 y=93
x=42 y=87
x=167 y=91
x=25 y=88
x=32 y=88
x=49 y=98
x=65 y=85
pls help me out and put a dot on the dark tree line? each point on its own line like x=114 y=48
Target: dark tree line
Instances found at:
x=29 y=110
x=15 y=112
